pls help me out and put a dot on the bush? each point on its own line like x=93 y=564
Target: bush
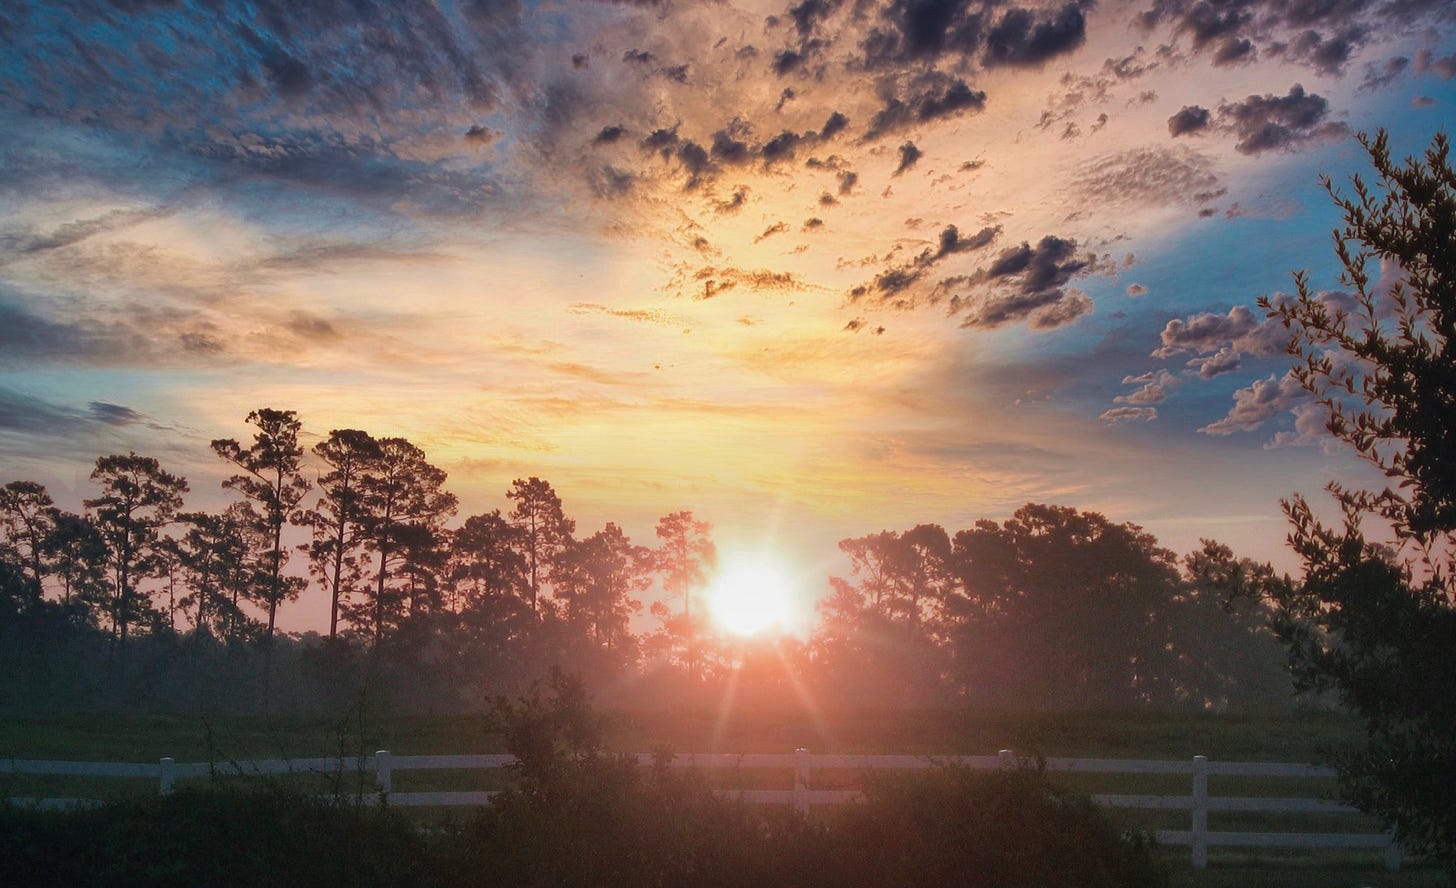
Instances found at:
x=956 y=826
x=259 y=836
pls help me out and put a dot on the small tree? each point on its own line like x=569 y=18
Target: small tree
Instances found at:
x=1376 y=622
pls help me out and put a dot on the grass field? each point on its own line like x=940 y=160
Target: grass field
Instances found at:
x=1300 y=736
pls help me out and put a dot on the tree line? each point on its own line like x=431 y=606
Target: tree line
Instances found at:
x=1053 y=606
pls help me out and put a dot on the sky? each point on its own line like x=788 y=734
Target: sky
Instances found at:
x=811 y=270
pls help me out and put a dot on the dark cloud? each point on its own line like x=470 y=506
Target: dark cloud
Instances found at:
x=1025 y=284
x=609 y=135
x=909 y=156
x=929 y=96
x=323 y=95
x=847 y=180
x=1234 y=51
x=1270 y=122
x=812 y=224
x=114 y=414
x=30 y=415
x=833 y=126
x=1383 y=75
x=1191 y=119
x=892 y=284
x=910 y=32
x=637 y=57
x=481 y=136
x=1020 y=39
x=780 y=147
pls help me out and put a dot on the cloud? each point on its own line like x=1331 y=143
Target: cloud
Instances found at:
x=1258 y=403
x=1126 y=414
x=1191 y=119
x=1443 y=67
x=894 y=282
x=1209 y=332
x=1151 y=176
x=929 y=96
x=644 y=315
x=114 y=414
x=715 y=281
x=1383 y=75
x=1270 y=122
x=1225 y=360
x=1136 y=290
x=1028 y=283
x=909 y=156
x=1020 y=39
x=1154 y=388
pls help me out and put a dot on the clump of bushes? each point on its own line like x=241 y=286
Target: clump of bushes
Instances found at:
x=578 y=815
x=261 y=835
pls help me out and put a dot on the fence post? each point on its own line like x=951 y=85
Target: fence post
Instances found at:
x=801 y=780
x=1392 y=853
x=381 y=772
x=1200 y=812
x=164 y=773
x=1008 y=759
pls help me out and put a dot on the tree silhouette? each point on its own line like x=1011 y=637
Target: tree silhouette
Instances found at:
x=335 y=521
x=273 y=485
x=404 y=508
x=215 y=552
x=27 y=521
x=1377 y=623
x=137 y=500
x=600 y=579
x=684 y=558
x=545 y=530
x=1063 y=607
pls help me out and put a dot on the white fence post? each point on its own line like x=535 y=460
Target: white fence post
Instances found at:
x=801 y=780
x=1392 y=853
x=1200 y=812
x=381 y=773
x=1008 y=759
x=164 y=773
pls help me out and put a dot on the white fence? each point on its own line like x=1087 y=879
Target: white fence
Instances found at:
x=1198 y=803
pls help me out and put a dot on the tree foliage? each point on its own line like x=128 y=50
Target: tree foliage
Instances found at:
x=1375 y=621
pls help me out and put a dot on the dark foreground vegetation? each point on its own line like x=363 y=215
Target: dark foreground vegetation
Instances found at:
x=579 y=815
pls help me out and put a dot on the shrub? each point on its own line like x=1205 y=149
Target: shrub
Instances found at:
x=251 y=836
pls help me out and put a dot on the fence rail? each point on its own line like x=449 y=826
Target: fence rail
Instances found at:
x=1198 y=803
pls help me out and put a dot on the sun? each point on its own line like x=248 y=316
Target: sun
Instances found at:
x=751 y=595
